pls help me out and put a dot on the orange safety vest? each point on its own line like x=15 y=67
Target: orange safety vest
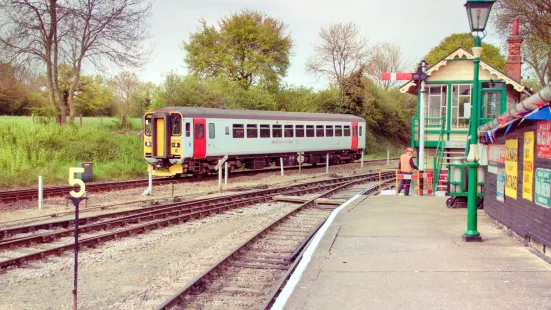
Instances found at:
x=404 y=163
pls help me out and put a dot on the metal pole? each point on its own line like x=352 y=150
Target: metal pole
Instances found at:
x=472 y=234
x=362 y=160
x=219 y=175
x=75 y=285
x=327 y=164
x=281 y=163
x=422 y=104
x=299 y=167
x=225 y=173
x=387 y=157
x=40 y=193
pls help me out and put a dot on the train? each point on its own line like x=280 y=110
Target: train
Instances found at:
x=192 y=140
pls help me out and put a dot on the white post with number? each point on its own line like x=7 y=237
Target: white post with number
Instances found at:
x=219 y=175
x=327 y=164
x=150 y=173
x=226 y=174
x=387 y=157
x=281 y=163
x=40 y=193
x=362 y=161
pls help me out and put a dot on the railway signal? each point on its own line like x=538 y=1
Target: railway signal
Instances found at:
x=418 y=76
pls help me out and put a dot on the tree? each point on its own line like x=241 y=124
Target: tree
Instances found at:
x=29 y=30
x=490 y=53
x=387 y=57
x=126 y=87
x=341 y=52
x=105 y=31
x=248 y=48
x=61 y=31
x=534 y=18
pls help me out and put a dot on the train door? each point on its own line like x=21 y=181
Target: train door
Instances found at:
x=160 y=128
x=187 y=140
x=199 y=139
x=354 y=146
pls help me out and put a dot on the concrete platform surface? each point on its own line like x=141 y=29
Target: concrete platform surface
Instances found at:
x=391 y=252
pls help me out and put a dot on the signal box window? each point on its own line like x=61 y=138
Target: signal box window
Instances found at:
x=176 y=121
x=252 y=131
x=338 y=131
x=310 y=130
x=347 y=131
x=329 y=130
x=264 y=131
x=300 y=131
x=188 y=130
x=276 y=131
x=199 y=131
x=238 y=131
x=288 y=131
x=319 y=131
x=148 y=125
x=211 y=131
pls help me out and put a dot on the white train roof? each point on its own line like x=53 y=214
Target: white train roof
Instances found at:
x=259 y=114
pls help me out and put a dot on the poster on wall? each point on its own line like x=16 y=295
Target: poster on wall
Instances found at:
x=528 y=166
x=496 y=156
x=500 y=185
x=543 y=187
x=511 y=168
x=544 y=140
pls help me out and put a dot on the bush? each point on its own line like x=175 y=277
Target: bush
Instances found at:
x=49 y=150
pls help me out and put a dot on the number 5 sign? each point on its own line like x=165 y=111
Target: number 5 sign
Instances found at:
x=76 y=181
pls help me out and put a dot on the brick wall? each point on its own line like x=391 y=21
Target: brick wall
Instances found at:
x=524 y=217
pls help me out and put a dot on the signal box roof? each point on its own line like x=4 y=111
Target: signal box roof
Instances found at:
x=260 y=114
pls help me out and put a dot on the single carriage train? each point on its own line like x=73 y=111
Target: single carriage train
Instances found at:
x=189 y=140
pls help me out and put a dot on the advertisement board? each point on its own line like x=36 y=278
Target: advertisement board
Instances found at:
x=511 y=168
x=543 y=187
x=544 y=139
x=500 y=185
x=528 y=166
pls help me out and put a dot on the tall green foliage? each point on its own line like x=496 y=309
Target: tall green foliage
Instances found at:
x=249 y=48
x=490 y=53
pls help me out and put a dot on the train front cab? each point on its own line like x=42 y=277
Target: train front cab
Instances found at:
x=165 y=142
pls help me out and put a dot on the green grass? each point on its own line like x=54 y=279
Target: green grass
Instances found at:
x=27 y=150
x=377 y=147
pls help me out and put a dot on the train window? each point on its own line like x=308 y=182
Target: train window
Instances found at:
x=188 y=129
x=310 y=130
x=347 y=131
x=338 y=131
x=360 y=131
x=238 y=131
x=265 y=131
x=319 y=131
x=288 y=131
x=211 y=131
x=276 y=131
x=227 y=130
x=176 y=122
x=199 y=131
x=148 y=125
x=329 y=130
x=354 y=131
x=300 y=131
x=252 y=131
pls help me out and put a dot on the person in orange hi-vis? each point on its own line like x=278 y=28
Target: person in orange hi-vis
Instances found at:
x=406 y=166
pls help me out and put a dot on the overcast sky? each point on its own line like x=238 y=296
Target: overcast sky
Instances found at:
x=416 y=26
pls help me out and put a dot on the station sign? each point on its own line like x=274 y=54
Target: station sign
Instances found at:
x=543 y=187
x=544 y=140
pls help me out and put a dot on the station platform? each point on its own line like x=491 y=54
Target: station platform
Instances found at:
x=395 y=252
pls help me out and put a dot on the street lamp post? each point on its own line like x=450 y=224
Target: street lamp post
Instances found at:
x=478 y=12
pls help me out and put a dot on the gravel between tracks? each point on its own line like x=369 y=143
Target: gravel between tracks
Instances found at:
x=135 y=272
x=22 y=212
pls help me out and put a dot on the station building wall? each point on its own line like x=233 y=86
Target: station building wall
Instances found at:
x=522 y=215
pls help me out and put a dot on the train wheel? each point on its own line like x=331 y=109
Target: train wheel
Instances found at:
x=451 y=202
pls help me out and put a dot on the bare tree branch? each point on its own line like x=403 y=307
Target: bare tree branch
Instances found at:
x=386 y=57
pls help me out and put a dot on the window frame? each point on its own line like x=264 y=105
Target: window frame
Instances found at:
x=311 y=128
x=263 y=129
x=236 y=128
x=318 y=131
x=250 y=128
x=345 y=130
x=300 y=129
x=329 y=129
x=188 y=129
x=150 y=124
x=287 y=130
x=277 y=128
x=338 y=129
x=212 y=131
x=197 y=131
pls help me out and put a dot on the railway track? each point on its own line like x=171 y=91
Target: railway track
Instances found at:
x=10 y=196
x=52 y=238
x=252 y=276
